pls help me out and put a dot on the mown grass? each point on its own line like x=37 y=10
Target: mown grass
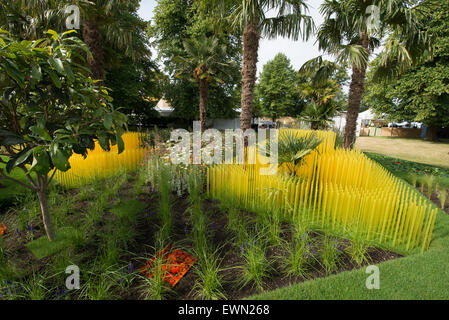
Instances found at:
x=65 y=237
x=417 y=150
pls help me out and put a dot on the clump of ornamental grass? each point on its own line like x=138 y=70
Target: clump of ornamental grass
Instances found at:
x=164 y=188
x=256 y=267
x=198 y=218
x=155 y=287
x=300 y=257
x=272 y=227
x=99 y=285
x=233 y=219
x=330 y=254
x=358 y=249
x=34 y=288
x=141 y=179
x=428 y=181
x=209 y=284
x=413 y=179
x=442 y=196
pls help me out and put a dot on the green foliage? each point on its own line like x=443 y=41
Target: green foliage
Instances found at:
x=292 y=148
x=177 y=21
x=442 y=196
x=420 y=94
x=61 y=110
x=209 y=284
x=330 y=254
x=256 y=267
x=65 y=238
x=136 y=87
x=300 y=257
x=276 y=93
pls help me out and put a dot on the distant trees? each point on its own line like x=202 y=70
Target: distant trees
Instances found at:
x=276 y=91
x=422 y=93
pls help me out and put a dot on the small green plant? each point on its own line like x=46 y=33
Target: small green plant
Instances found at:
x=155 y=288
x=256 y=267
x=413 y=178
x=272 y=226
x=442 y=196
x=34 y=287
x=142 y=178
x=199 y=235
x=358 y=251
x=233 y=219
x=330 y=254
x=428 y=180
x=300 y=256
x=209 y=284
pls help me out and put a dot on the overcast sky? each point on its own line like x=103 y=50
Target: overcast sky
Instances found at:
x=297 y=51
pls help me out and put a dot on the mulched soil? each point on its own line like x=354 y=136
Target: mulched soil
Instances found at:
x=231 y=255
x=148 y=226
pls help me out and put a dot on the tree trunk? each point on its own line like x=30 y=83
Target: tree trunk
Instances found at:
x=92 y=38
x=48 y=225
x=204 y=92
x=249 y=69
x=355 y=99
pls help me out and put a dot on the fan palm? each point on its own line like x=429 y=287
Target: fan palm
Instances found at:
x=351 y=36
x=292 y=148
x=203 y=62
x=319 y=116
x=250 y=17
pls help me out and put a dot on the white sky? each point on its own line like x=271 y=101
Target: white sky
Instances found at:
x=297 y=51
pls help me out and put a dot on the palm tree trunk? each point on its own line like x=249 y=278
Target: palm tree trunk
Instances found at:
x=204 y=92
x=355 y=99
x=249 y=69
x=92 y=37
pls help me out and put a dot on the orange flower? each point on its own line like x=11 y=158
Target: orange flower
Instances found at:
x=2 y=229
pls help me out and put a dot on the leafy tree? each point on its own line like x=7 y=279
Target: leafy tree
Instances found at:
x=250 y=18
x=319 y=115
x=422 y=93
x=320 y=85
x=136 y=87
x=50 y=108
x=276 y=92
x=351 y=31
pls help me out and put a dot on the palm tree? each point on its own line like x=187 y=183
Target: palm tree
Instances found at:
x=112 y=18
x=250 y=16
x=203 y=61
x=350 y=35
x=319 y=116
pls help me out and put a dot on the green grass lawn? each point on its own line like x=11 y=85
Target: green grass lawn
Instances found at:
x=417 y=150
x=418 y=276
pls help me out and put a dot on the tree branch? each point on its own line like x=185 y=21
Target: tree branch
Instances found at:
x=52 y=176
x=3 y=176
x=27 y=175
